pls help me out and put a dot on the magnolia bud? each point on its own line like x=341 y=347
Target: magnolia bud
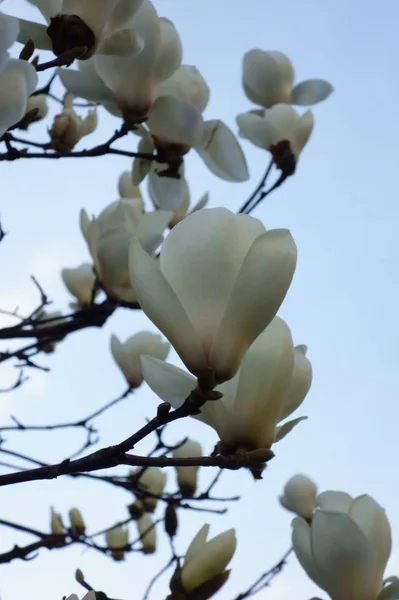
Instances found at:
x=56 y=524
x=117 y=538
x=146 y=529
x=300 y=496
x=37 y=103
x=76 y=519
x=153 y=481
x=171 y=522
x=187 y=476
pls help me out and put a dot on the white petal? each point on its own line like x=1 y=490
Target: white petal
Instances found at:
x=300 y=384
x=9 y=29
x=257 y=130
x=141 y=167
x=311 y=92
x=334 y=501
x=261 y=286
x=303 y=550
x=160 y=303
x=175 y=121
x=170 y=51
x=85 y=84
x=95 y=14
x=28 y=30
x=221 y=152
x=123 y=13
x=170 y=383
x=303 y=131
x=197 y=543
x=186 y=84
x=286 y=428
x=390 y=592
x=17 y=82
x=126 y=42
x=267 y=77
x=166 y=192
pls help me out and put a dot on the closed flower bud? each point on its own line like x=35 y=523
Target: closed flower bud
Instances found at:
x=300 y=496
x=80 y=282
x=56 y=524
x=171 y=522
x=68 y=128
x=37 y=107
x=117 y=541
x=152 y=481
x=187 y=476
x=206 y=560
x=147 y=533
x=210 y=313
x=76 y=519
x=127 y=355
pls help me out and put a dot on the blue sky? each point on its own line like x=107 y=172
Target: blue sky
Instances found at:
x=341 y=207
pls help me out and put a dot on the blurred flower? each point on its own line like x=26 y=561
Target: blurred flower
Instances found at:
x=268 y=79
x=89 y=596
x=116 y=539
x=152 y=481
x=346 y=547
x=80 y=282
x=77 y=521
x=18 y=78
x=56 y=524
x=127 y=189
x=220 y=281
x=271 y=383
x=187 y=476
x=109 y=236
x=36 y=108
x=205 y=561
x=68 y=128
x=127 y=355
x=147 y=533
x=83 y=27
x=300 y=496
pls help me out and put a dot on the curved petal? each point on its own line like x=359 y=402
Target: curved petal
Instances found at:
x=9 y=29
x=300 y=383
x=170 y=51
x=170 y=383
x=175 y=121
x=196 y=544
x=257 y=130
x=166 y=192
x=186 y=84
x=311 y=92
x=267 y=77
x=126 y=42
x=303 y=549
x=221 y=152
x=141 y=167
x=390 y=592
x=334 y=501
x=123 y=12
x=17 y=82
x=85 y=84
x=303 y=130
x=28 y=30
x=341 y=556
x=160 y=303
x=286 y=428
x=261 y=286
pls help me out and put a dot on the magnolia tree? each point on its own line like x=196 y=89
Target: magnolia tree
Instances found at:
x=210 y=280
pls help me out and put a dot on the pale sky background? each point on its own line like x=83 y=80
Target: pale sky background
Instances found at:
x=341 y=207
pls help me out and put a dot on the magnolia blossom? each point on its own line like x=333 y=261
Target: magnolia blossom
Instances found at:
x=36 y=108
x=152 y=481
x=187 y=476
x=147 y=533
x=18 y=78
x=182 y=211
x=77 y=521
x=271 y=383
x=205 y=561
x=268 y=79
x=68 y=128
x=117 y=540
x=220 y=281
x=171 y=193
x=109 y=236
x=127 y=189
x=80 y=282
x=300 y=496
x=346 y=547
x=280 y=130
x=126 y=85
x=127 y=355
x=84 y=27
x=89 y=596
x=56 y=524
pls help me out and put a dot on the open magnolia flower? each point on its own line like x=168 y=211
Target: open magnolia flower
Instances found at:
x=300 y=496
x=280 y=130
x=85 y=27
x=109 y=236
x=346 y=547
x=220 y=281
x=268 y=79
x=18 y=78
x=80 y=282
x=126 y=86
x=205 y=563
x=127 y=355
x=187 y=476
x=271 y=383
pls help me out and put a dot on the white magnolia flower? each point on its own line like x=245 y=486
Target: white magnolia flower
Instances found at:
x=80 y=283
x=109 y=236
x=127 y=355
x=299 y=496
x=88 y=596
x=147 y=532
x=56 y=524
x=127 y=189
x=152 y=481
x=187 y=476
x=280 y=130
x=220 y=281
x=268 y=79
x=94 y=27
x=39 y=104
x=68 y=128
x=271 y=383
x=18 y=78
x=126 y=85
x=77 y=521
x=207 y=560
x=116 y=539
x=346 y=547
x=182 y=211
